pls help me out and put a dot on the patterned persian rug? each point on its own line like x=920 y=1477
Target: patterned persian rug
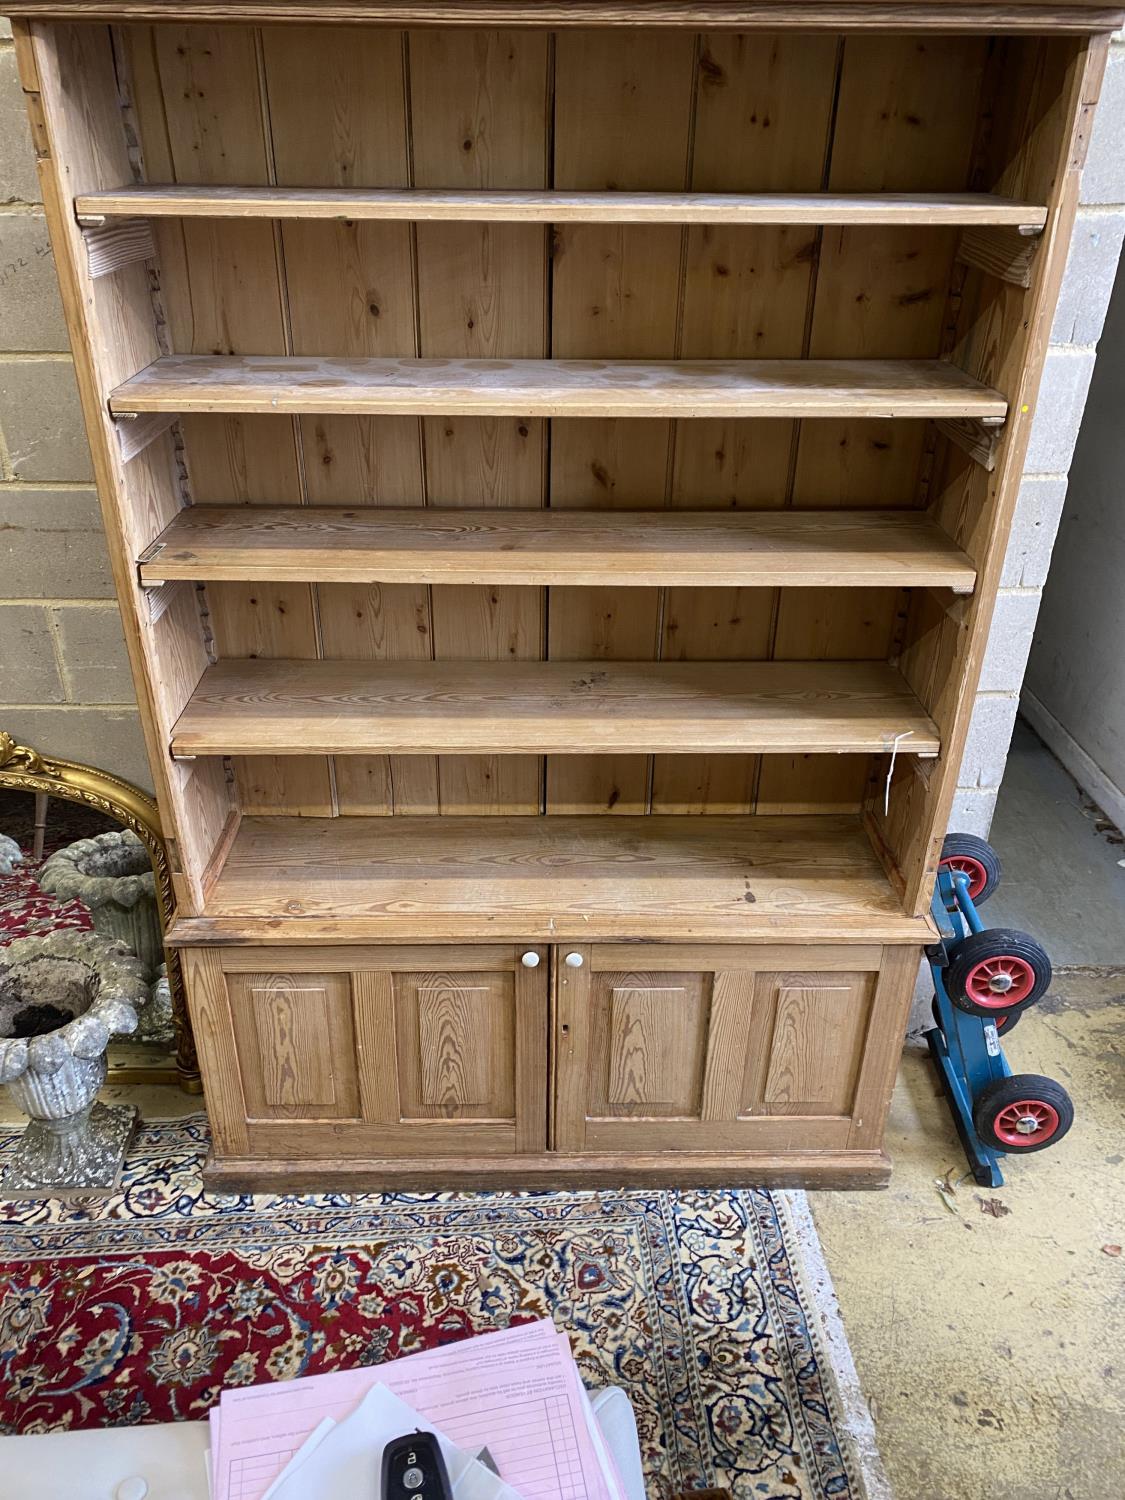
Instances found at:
x=26 y=910
x=141 y=1307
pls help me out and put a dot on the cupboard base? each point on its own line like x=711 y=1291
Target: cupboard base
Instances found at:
x=686 y=1169
x=493 y=1065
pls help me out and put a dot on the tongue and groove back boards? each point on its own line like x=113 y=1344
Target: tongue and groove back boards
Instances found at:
x=344 y=107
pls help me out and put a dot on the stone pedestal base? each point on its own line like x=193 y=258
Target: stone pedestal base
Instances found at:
x=66 y=1159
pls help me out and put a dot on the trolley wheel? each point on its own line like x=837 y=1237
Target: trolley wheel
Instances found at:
x=997 y=972
x=968 y=855
x=1004 y=1022
x=1025 y=1112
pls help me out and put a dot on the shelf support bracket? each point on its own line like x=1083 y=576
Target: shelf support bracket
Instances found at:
x=999 y=251
x=136 y=430
x=112 y=245
x=149 y=555
x=160 y=596
x=979 y=438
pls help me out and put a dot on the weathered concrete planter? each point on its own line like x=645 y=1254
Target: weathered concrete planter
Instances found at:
x=112 y=877
x=61 y=999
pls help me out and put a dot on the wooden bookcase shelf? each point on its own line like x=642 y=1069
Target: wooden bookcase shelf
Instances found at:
x=780 y=879
x=552 y=708
x=557 y=469
x=559 y=388
x=357 y=204
x=639 y=549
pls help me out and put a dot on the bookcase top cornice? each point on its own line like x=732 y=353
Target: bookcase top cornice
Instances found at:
x=824 y=15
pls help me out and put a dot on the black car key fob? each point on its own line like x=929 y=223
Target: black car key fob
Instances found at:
x=413 y=1469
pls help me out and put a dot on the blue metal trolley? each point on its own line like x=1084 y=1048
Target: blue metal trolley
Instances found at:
x=984 y=979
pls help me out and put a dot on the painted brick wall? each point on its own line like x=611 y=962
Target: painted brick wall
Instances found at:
x=64 y=682
x=64 y=678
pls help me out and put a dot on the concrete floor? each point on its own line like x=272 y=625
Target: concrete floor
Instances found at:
x=991 y=1349
x=988 y=1327
x=1064 y=862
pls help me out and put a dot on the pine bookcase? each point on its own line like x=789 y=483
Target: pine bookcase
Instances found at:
x=557 y=460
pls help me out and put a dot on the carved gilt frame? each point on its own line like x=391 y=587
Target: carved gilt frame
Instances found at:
x=25 y=770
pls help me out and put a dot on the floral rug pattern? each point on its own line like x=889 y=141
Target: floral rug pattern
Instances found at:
x=26 y=910
x=140 y=1307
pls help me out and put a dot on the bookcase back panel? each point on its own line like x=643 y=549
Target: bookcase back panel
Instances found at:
x=659 y=111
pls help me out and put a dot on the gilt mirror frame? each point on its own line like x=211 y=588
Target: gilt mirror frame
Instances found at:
x=26 y=770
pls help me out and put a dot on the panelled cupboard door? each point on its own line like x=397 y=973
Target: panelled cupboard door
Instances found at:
x=726 y=1049
x=434 y=1051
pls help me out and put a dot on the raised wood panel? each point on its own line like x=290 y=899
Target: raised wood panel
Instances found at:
x=815 y=1043
x=456 y=1045
x=654 y=1029
x=296 y=1045
x=454 y=1026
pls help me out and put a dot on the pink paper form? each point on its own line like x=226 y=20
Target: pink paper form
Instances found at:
x=511 y=1391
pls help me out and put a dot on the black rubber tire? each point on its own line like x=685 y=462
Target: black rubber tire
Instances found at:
x=1020 y=1086
x=1004 y=1023
x=968 y=846
x=996 y=942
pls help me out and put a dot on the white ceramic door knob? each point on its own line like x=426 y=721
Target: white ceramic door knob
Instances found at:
x=530 y=960
x=573 y=960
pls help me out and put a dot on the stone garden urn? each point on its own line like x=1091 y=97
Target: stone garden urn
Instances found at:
x=62 y=997
x=111 y=875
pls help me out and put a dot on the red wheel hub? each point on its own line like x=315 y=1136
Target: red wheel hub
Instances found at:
x=965 y=864
x=1026 y=1122
x=1001 y=982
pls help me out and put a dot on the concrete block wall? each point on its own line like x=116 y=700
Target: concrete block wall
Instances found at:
x=64 y=678
x=64 y=684
x=1083 y=302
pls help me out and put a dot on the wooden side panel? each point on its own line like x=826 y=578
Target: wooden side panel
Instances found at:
x=213 y=1028
x=479 y=113
x=1038 y=94
x=71 y=79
